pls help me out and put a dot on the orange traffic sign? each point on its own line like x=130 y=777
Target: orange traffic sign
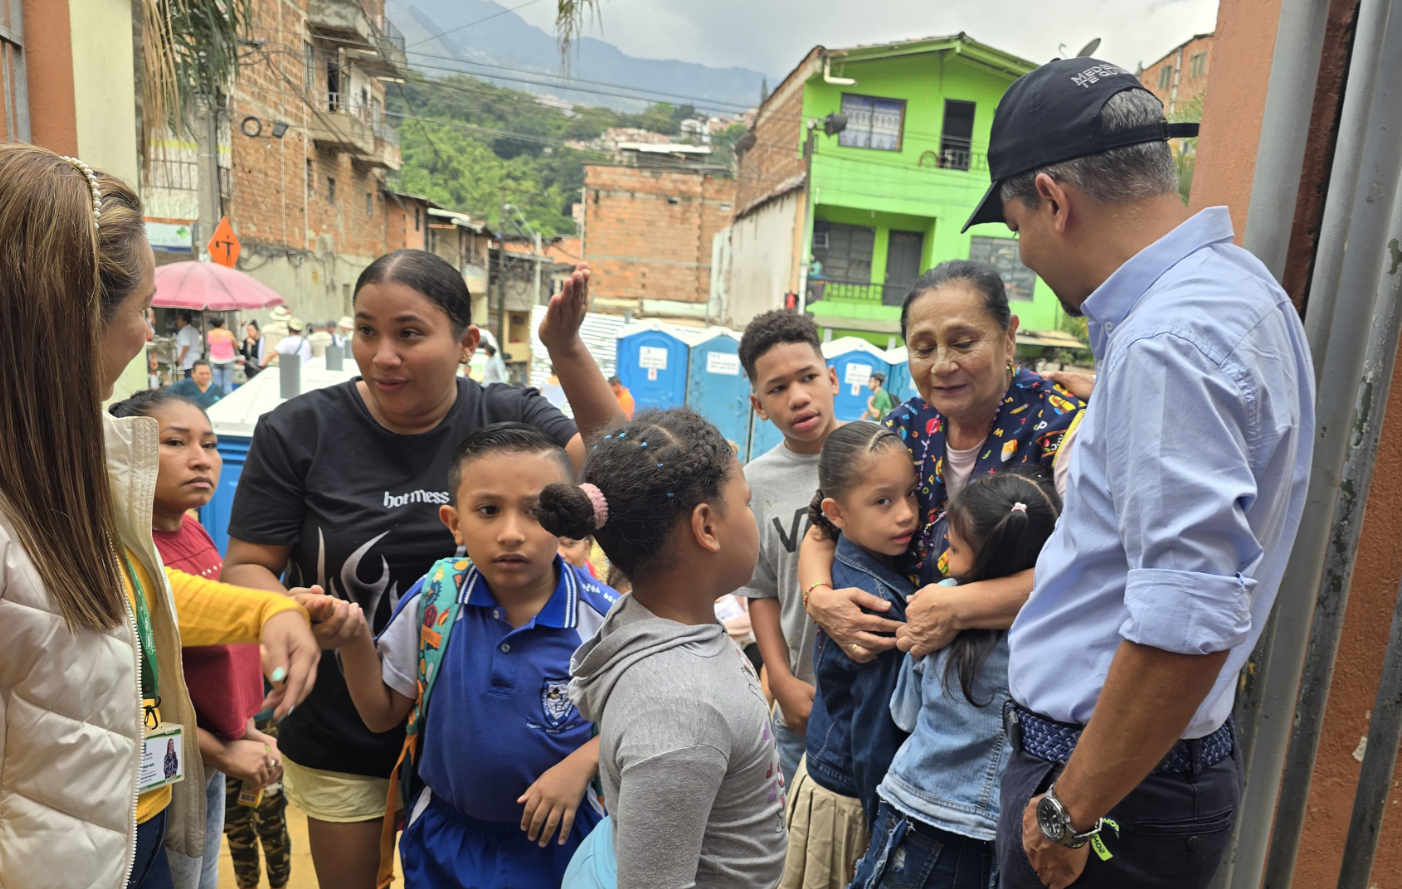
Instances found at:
x=224 y=247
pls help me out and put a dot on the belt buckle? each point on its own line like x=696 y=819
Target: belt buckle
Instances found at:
x=1012 y=725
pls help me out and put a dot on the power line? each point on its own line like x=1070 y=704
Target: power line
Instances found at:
x=470 y=24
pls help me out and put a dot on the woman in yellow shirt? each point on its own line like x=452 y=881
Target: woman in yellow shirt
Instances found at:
x=90 y=625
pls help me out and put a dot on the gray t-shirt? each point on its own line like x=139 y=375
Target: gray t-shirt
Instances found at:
x=687 y=758
x=783 y=484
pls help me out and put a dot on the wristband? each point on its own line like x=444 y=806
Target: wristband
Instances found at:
x=808 y=592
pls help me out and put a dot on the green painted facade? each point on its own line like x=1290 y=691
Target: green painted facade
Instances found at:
x=912 y=189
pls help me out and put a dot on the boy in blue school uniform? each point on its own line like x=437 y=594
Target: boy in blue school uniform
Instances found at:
x=504 y=761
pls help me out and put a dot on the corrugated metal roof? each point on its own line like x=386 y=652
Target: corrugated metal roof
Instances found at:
x=600 y=336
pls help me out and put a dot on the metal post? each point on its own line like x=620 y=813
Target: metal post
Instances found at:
x=1364 y=64
x=1272 y=693
x=1385 y=730
x=1299 y=41
x=289 y=371
x=1336 y=468
x=805 y=239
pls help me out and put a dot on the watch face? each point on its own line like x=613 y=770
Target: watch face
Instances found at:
x=1049 y=819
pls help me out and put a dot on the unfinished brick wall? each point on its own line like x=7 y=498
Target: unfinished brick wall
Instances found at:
x=648 y=232
x=777 y=154
x=281 y=193
x=1184 y=83
x=406 y=223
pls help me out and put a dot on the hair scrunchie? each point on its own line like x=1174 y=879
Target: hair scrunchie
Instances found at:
x=601 y=504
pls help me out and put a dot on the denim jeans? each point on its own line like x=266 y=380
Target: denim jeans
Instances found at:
x=1174 y=828
x=790 y=744
x=223 y=376
x=907 y=854
x=203 y=872
x=150 y=868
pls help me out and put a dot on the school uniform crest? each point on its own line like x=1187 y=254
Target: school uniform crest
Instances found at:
x=555 y=703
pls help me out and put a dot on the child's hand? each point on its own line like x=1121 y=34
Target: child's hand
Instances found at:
x=554 y=798
x=333 y=619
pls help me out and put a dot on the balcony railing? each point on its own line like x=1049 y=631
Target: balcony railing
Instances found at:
x=386 y=133
x=957 y=154
x=182 y=175
x=856 y=291
x=390 y=34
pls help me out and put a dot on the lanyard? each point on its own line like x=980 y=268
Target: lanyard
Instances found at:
x=150 y=686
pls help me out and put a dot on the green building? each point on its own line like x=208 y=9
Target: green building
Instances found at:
x=880 y=201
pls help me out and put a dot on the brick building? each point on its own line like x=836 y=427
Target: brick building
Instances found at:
x=310 y=148
x=770 y=200
x=1180 y=77
x=650 y=235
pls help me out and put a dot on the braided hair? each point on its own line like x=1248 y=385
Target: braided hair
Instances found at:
x=1005 y=519
x=842 y=464
x=653 y=471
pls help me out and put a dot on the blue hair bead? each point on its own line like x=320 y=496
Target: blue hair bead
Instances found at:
x=659 y=465
x=622 y=435
x=644 y=444
x=670 y=494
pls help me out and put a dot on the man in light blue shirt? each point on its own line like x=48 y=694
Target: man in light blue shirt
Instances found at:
x=1185 y=491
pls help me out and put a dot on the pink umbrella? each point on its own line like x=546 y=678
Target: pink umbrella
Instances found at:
x=208 y=286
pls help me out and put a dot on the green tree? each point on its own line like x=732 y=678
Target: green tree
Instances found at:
x=1185 y=150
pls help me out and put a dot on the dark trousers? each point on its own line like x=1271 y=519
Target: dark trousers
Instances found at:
x=189 y=372
x=1173 y=828
x=151 y=869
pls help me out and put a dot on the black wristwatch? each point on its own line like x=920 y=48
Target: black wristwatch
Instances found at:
x=1055 y=822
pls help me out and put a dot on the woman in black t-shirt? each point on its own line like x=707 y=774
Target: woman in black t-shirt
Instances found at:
x=342 y=489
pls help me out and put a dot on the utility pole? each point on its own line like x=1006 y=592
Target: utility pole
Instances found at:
x=501 y=275
x=207 y=169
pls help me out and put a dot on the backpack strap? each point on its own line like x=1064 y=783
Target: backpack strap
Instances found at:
x=443 y=592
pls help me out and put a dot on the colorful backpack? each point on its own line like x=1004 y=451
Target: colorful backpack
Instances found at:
x=441 y=596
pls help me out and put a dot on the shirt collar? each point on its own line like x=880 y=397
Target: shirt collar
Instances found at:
x=560 y=611
x=1113 y=300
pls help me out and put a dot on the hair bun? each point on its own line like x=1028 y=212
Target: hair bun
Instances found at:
x=566 y=511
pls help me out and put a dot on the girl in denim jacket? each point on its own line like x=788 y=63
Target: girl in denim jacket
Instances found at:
x=867 y=504
x=939 y=799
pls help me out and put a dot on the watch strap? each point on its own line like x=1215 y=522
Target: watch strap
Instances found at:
x=1069 y=837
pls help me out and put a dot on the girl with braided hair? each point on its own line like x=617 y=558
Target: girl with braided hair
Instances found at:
x=687 y=759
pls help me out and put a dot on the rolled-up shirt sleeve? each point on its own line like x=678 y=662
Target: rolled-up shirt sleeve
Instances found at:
x=1180 y=474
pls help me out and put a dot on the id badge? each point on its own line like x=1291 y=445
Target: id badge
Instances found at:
x=162 y=757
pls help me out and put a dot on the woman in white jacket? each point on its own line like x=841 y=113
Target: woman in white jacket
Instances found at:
x=89 y=638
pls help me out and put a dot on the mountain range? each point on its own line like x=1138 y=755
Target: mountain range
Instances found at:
x=528 y=58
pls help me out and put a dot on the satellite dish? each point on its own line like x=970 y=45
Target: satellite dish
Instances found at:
x=1088 y=49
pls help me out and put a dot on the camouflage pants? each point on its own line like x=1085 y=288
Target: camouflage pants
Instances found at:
x=245 y=826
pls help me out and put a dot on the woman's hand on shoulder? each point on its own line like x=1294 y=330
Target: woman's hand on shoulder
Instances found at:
x=333 y=620
x=840 y=614
x=930 y=615
x=1078 y=383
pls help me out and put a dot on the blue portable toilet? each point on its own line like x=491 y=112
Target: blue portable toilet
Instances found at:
x=855 y=360
x=652 y=365
x=234 y=417
x=899 y=383
x=764 y=436
x=717 y=387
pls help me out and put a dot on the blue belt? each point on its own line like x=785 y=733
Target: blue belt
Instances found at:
x=1053 y=741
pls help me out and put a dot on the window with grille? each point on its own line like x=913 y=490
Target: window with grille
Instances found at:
x=846 y=250
x=1197 y=67
x=872 y=122
x=331 y=189
x=369 y=206
x=1165 y=77
x=311 y=180
x=1002 y=254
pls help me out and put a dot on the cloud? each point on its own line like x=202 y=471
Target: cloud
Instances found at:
x=773 y=35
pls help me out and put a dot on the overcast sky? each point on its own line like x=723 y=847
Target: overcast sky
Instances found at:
x=773 y=35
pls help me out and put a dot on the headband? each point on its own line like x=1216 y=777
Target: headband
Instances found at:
x=601 y=504
x=92 y=184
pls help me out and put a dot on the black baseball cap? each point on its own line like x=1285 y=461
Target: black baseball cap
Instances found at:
x=1052 y=115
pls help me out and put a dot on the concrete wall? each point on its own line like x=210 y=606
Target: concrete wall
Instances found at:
x=761 y=247
x=1245 y=38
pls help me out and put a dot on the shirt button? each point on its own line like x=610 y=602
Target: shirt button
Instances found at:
x=496 y=614
x=505 y=647
x=1109 y=326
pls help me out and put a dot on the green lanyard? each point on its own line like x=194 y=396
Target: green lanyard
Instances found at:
x=150 y=684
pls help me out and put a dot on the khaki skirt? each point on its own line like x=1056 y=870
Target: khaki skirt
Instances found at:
x=827 y=836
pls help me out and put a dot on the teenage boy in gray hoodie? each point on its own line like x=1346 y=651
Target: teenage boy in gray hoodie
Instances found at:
x=687 y=759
